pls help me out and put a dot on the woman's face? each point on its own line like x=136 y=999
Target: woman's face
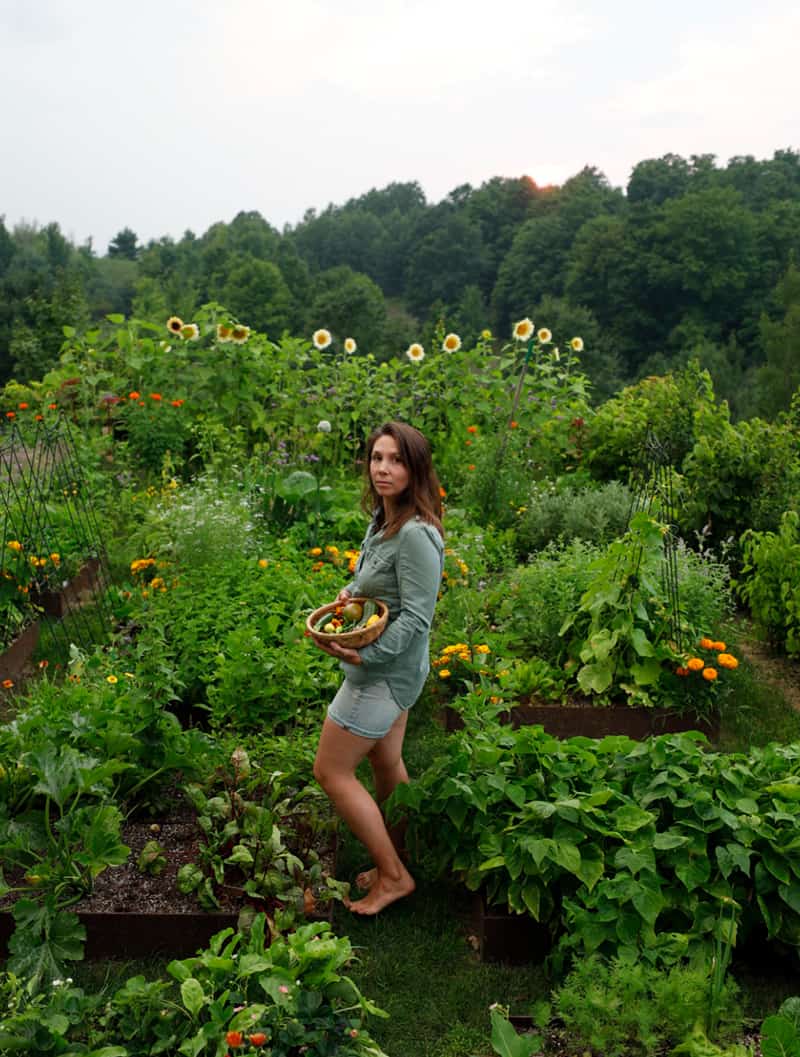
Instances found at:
x=387 y=471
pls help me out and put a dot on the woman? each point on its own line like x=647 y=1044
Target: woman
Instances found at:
x=400 y=563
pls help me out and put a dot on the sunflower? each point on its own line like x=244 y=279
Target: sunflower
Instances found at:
x=523 y=330
x=190 y=332
x=415 y=352
x=544 y=335
x=576 y=344
x=175 y=324
x=350 y=345
x=321 y=338
x=240 y=334
x=452 y=343
x=224 y=333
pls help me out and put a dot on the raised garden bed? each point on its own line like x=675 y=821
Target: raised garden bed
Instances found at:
x=17 y=654
x=505 y=937
x=86 y=582
x=131 y=914
x=581 y=718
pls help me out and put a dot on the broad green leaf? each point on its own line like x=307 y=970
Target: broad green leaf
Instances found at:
x=641 y=643
x=596 y=678
x=532 y=897
x=193 y=996
x=647 y=673
x=630 y=818
x=567 y=855
x=779 y=1038
x=791 y=894
x=507 y=1043
x=649 y=902
x=115 y=317
x=666 y=841
x=777 y=865
x=788 y=790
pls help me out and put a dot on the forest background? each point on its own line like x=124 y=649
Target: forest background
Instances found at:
x=692 y=259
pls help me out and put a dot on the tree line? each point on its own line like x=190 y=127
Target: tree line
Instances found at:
x=691 y=260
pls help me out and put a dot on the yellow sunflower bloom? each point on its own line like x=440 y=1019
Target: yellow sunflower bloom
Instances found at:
x=224 y=333
x=175 y=324
x=576 y=344
x=452 y=343
x=240 y=334
x=415 y=352
x=321 y=338
x=523 y=330
x=544 y=335
x=350 y=345
x=190 y=332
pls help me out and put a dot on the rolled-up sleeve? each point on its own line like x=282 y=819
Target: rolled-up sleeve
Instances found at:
x=419 y=574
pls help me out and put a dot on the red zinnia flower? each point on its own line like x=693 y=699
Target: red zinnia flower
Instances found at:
x=52 y=407
x=155 y=396
x=234 y=1038
x=23 y=406
x=258 y=1038
x=134 y=395
x=10 y=414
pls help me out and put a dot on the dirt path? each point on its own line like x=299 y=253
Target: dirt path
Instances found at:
x=776 y=670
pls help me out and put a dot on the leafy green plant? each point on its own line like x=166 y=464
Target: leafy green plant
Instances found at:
x=563 y=511
x=261 y=840
x=770 y=581
x=626 y=1007
x=780 y=1033
x=59 y=845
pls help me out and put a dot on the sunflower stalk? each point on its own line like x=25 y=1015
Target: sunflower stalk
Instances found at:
x=501 y=451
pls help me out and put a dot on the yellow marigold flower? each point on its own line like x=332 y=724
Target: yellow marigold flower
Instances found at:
x=706 y=644
x=332 y=550
x=727 y=660
x=718 y=647
x=415 y=352
x=55 y=558
x=157 y=582
x=321 y=338
x=437 y=661
x=482 y=649
x=350 y=345
x=523 y=330
x=463 y=567
x=190 y=332
x=444 y=673
x=544 y=335
x=175 y=324
x=112 y=679
x=710 y=674
x=464 y=656
x=695 y=664
x=263 y=563
x=351 y=565
x=576 y=344
x=452 y=343
x=224 y=333
x=14 y=545
x=129 y=675
x=240 y=334
x=495 y=700
x=315 y=551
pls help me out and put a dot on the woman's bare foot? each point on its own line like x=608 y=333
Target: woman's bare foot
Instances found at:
x=366 y=879
x=384 y=890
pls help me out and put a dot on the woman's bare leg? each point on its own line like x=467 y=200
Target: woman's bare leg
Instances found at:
x=338 y=755
x=389 y=771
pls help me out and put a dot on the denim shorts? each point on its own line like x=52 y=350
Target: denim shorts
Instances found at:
x=369 y=711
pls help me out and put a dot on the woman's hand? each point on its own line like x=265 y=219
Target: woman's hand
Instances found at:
x=341 y=653
x=343 y=596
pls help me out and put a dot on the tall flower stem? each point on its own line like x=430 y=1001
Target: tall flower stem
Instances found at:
x=501 y=451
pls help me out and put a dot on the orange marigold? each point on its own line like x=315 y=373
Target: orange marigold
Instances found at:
x=710 y=674
x=472 y=429
x=727 y=660
x=694 y=664
x=718 y=647
x=706 y=644
x=681 y=671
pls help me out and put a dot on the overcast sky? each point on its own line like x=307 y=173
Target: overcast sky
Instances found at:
x=163 y=115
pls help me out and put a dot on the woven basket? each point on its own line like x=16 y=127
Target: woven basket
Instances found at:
x=351 y=639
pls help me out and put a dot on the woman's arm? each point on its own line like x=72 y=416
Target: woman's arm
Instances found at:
x=419 y=571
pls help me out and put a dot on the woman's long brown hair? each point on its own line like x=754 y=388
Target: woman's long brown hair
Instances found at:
x=422 y=498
